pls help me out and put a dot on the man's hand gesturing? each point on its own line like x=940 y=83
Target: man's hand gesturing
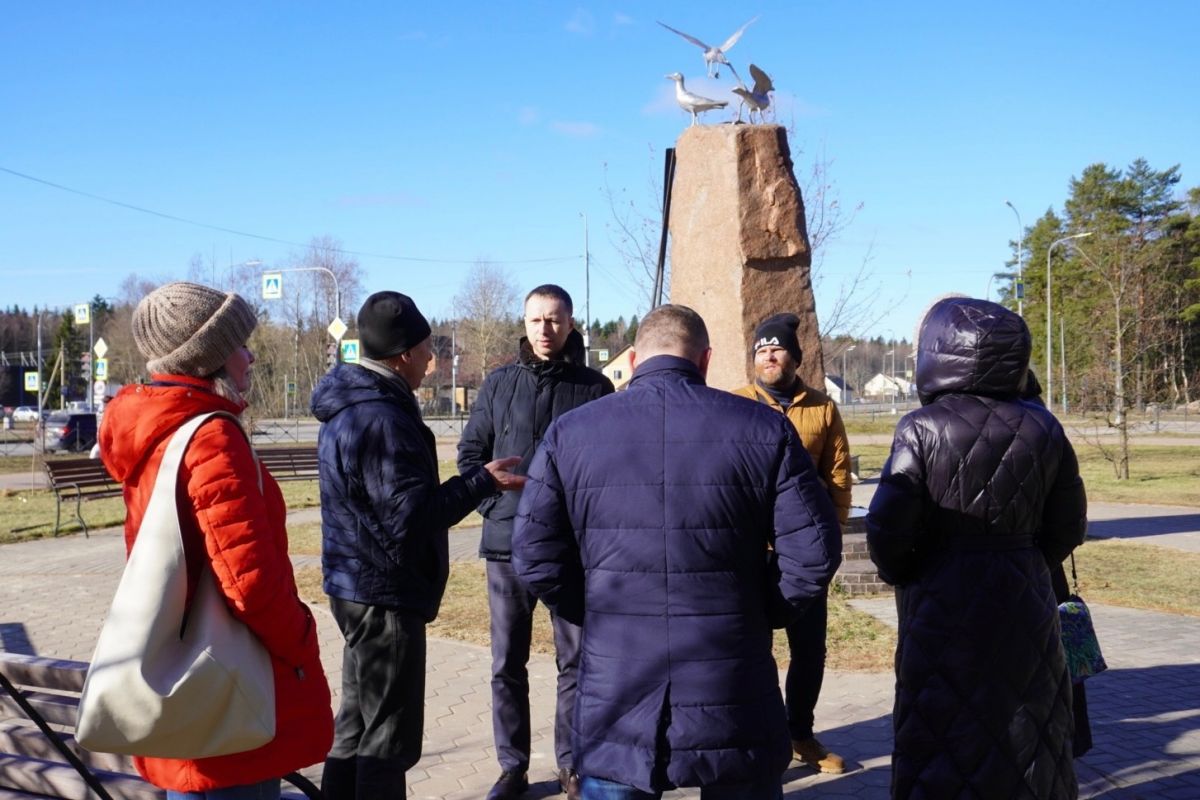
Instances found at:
x=505 y=480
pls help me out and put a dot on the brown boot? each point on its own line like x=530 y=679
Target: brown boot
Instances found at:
x=813 y=753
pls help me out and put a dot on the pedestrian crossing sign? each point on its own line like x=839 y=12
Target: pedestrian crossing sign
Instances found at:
x=350 y=351
x=272 y=285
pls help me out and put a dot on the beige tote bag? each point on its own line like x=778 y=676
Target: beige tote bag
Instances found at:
x=158 y=688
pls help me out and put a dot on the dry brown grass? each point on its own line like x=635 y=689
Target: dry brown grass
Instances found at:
x=857 y=641
x=308 y=582
x=1139 y=576
x=1158 y=474
x=304 y=539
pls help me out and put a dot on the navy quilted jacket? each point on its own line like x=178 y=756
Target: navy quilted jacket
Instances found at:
x=384 y=514
x=647 y=517
x=980 y=493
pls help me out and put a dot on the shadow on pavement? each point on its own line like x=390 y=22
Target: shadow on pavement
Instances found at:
x=1146 y=728
x=860 y=743
x=15 y=639
x=1132 y=527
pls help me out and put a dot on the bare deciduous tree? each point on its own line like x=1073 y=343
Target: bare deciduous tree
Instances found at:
x=487 y=306
x=634 y=232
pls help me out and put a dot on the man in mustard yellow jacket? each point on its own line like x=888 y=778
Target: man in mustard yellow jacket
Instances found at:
x=777 y=356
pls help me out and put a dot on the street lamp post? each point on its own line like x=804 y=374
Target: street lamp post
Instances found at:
x=845 y=380
x=1049 y=327
x=891 y=372
x=1020 y=250
x=988 y=294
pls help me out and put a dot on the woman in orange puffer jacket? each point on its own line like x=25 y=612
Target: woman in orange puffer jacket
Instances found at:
x=194 y=339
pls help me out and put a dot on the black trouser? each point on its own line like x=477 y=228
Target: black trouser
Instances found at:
x=377 y=735
x=511 y=607
x=806 y=672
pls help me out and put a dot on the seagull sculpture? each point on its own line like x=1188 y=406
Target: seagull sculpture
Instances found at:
x=756 y=99
x=693 y=102
x=714 y=56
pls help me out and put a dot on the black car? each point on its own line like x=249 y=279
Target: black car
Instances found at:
x=74 y=431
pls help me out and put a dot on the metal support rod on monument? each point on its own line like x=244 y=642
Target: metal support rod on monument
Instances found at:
x=660 y=273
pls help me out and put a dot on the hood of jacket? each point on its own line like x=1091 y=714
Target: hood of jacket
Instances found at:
x=572 y=352
x=349 y=384
x=972 y=347
x=141 y=416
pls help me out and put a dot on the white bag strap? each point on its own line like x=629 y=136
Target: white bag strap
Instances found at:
x=168 y=468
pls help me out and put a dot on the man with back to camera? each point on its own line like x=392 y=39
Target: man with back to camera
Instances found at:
x=384 y=548
x=516 y=405
x=648 y=518
x=777 y=357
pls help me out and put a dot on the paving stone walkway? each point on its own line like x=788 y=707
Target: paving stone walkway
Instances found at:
x=1145 y=709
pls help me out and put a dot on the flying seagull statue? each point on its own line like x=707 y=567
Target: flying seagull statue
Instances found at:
x=714 y=56
x=693 y=102
x=756 y=99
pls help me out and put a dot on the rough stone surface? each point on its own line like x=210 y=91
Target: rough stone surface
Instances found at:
x=739 y=245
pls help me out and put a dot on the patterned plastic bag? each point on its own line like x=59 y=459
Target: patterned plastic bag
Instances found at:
x=1084 y=658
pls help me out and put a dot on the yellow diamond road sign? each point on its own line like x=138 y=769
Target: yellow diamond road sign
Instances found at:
x=337 y=329
x=101 y=347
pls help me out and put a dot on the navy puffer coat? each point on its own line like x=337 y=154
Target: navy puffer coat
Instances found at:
x=384 y=513
x=981 y=492
x=647 y=518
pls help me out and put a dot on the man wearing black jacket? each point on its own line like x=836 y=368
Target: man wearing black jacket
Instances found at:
x=515 y=406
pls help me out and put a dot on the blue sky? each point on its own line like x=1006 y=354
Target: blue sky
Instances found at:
x=483 y=130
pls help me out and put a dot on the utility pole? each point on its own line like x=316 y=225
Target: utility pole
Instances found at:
x=587 y=297
x=454 y=368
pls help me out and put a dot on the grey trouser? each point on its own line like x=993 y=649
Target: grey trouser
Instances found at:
x=377 y=734
x=511 y=607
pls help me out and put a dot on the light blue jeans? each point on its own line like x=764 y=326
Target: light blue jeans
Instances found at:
x=267 y=790
x=600 y=789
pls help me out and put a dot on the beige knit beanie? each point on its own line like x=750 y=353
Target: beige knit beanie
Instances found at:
x=188 y=329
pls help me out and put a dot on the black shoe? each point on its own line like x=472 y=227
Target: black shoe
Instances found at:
x=511 y=785
x=568 y=779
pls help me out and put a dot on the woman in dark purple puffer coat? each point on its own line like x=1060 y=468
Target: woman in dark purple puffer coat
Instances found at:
x=980 y=494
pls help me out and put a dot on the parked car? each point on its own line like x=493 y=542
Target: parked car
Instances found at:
x=75 y=432
x=24 y=414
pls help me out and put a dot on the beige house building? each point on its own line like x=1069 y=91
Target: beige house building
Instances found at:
x=619 y=368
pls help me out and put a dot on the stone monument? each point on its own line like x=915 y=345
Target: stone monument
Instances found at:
x=739 y=244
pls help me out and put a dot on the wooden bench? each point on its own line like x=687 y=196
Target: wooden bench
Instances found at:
x=290 y=463
x=39 y=702
x=84 y=479
x=81 y=478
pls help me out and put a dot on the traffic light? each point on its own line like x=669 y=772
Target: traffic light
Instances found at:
x=331 y=355
x=85 y=365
